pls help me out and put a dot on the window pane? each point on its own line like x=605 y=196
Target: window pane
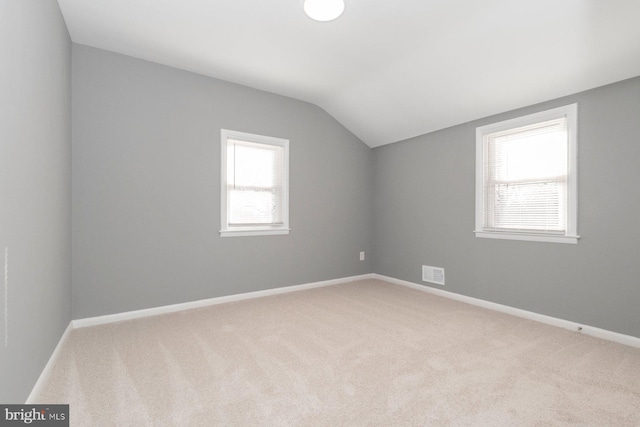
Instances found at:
x=529 y=153
x=253 y=207
x=532 y=206
x=526 y=177
x=255 y=182
x=254 y=165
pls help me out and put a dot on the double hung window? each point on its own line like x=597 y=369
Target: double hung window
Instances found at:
x=255 y=184
x=526 y=180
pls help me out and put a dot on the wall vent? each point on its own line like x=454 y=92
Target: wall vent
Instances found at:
x=433 y=275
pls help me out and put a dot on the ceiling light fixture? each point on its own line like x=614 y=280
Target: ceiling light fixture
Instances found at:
x=323 y=10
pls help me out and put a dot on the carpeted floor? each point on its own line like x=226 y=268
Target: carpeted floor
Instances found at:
x=365 y=353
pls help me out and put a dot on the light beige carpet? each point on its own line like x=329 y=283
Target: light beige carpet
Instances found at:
x=364 y=353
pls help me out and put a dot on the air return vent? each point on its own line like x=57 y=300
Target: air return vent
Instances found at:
x=433 y=275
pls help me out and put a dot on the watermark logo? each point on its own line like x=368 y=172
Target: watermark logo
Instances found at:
x=36 y=415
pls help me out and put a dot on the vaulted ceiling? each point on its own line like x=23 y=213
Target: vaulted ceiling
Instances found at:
x=387 y=70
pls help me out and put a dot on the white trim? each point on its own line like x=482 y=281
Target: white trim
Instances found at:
x=570 y=112
x=234 y=231
x=46 y=372
x=254 y=232
x=101 y=320
x=118 y=317
x=572 y=170
x=528 y=237
x=530 y=315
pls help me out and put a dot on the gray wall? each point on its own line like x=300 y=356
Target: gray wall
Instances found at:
x=424 y=214
x=146 y=189
x=146 y=198
x=35 y=190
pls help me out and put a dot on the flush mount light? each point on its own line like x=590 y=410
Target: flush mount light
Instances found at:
x=323 y=10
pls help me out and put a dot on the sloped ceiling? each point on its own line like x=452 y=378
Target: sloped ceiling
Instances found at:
x=387 y=70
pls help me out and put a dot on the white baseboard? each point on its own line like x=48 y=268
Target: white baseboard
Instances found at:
x=100 y=320
x=566 y=324
x=44 y=375
x=110 y=318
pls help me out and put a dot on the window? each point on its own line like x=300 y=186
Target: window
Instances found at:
x=255 y=184
x=526 y=180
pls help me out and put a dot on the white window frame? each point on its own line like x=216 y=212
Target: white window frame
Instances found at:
x=252 y=230
x=482 y=136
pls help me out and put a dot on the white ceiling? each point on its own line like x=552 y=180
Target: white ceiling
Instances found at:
x=387 y=69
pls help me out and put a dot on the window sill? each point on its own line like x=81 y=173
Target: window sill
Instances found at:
x=264 y=232
x=528 y=237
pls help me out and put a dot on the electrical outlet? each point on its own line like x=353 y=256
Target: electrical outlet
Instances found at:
x=362 y=256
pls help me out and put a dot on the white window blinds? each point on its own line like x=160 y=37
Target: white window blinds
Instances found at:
x=255 y=183
x=525 y=178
